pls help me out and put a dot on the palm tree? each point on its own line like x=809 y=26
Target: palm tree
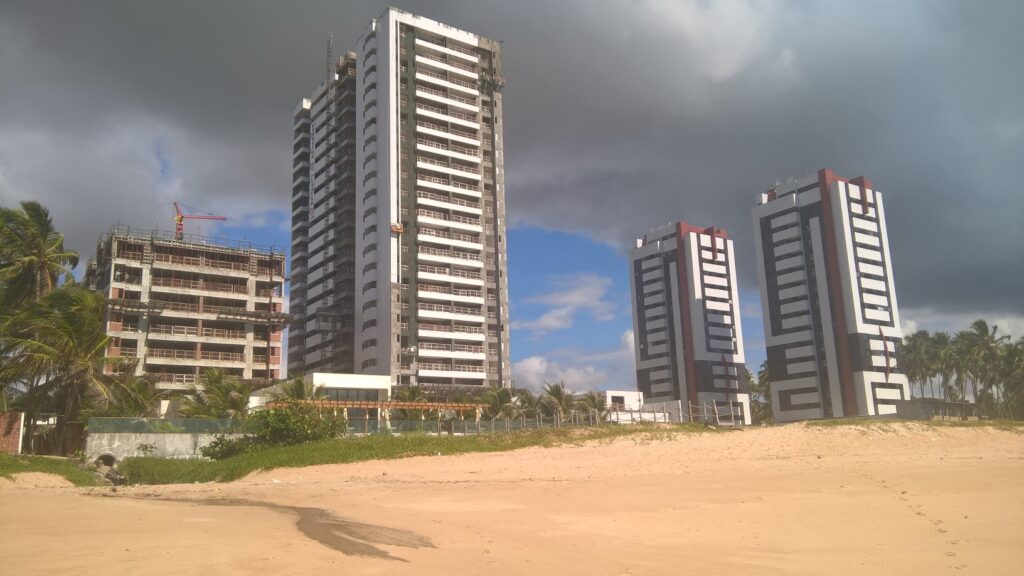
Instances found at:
x=915 y=358
x=760 y=395
x=528 y=404
x=135 y=397
x=59 y=344
x=594 y=403
x=943 y=358
x=500 y=403
x=557 y=399
x=32 y=254
x=299 y=389
x=221 y=395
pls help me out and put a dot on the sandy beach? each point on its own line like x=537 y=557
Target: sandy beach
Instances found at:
x=899 y=499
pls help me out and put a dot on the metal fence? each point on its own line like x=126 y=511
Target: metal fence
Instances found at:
x=166 y=426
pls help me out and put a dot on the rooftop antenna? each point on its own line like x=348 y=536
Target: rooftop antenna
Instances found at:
x=330 y=55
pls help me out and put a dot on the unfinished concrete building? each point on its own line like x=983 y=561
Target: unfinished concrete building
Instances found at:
x=183 y=306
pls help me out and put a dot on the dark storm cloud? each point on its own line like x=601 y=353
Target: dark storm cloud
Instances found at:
x=619 y=116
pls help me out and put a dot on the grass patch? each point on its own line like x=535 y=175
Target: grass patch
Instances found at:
x=377 y=447
x=10 y=465
x=867 y=422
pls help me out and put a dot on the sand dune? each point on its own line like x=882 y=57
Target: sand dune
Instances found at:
x=897 y=499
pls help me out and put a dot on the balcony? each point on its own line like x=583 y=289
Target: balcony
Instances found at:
x=448 y=185
x=434 y=218
x=189 y=262
x=424 y=198
x=451 y=150
x=430 y=254
x=456 y=332
x=438 y=370
x=441 y=131
x=446 y=312
x=172 y=332
x=459 y=74
x=454 y=351
x=438 y=95
x=468 y=172
x=185 y=284
x=451 y=50
x=449 y=238
x=431 y=292
x=455 y=276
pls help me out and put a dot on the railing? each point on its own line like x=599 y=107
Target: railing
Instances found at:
x=451 y=147
x=456 y=328
x=431 y=125
x=447 y=271
x=450 y=47
x=175 y=378
x=452 y=291
x=199 y=261
x=464 y=134
x=449 y=165
x=451 y=347
x=171 y=353
x=440 y=198
x=166 y=426
x=200 y=285
x=174 y=330
x=449 y=235
x=136 y=256
x=446 y=182
x=221 y=356
x=442 y=93
x=443 y=216
x=460 y=66
x=451 y=368
x=449 y=253
x=189 y=307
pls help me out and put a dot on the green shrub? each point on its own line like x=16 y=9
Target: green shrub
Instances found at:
x=294 y=424
x=223 y=447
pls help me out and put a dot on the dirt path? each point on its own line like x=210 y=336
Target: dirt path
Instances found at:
x=792 y=500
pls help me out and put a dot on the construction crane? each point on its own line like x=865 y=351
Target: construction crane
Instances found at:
x=179 y=219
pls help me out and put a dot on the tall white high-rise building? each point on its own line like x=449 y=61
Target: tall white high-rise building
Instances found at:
x=829 y=304
x=686 y=320
x=429 y=301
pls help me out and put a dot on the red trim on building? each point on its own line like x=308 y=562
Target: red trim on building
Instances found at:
x=835 y=288
x=682 y=228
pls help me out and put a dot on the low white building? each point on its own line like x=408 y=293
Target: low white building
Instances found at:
x=624 y=399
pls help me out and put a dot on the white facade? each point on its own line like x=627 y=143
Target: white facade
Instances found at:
x=431 y=303
x=822 y=247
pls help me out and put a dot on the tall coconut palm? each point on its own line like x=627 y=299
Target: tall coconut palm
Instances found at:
x=220 y=395
x=557 y=399
x=32 y=254
x=500 y=403
x=915 y=358
x=299 y=389
x=760 y=394
x=945 y=359
x=1013 y=378
x=60 y=343
x=528 y=404
x=135 y=397
x=593 y=403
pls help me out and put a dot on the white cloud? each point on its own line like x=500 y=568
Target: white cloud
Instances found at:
x=581 y=371
x=914 y=319
x=571 y=294
x=721 y=39
x=534 y=372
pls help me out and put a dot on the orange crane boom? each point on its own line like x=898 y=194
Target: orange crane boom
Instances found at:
x=180 y=217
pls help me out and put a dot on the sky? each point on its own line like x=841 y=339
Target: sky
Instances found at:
x=619 y=116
